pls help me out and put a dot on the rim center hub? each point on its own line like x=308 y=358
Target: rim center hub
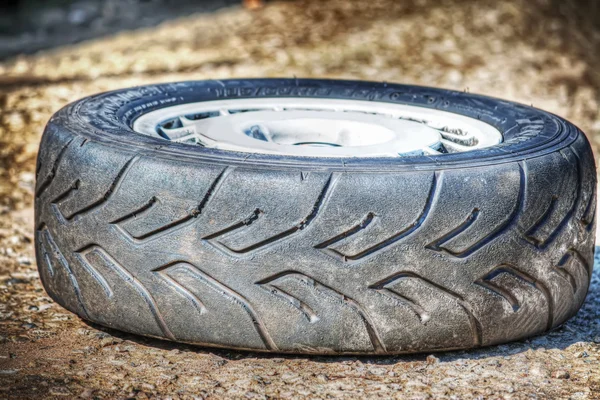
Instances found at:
x=325 y=132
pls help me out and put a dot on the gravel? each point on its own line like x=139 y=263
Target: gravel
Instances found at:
x=533 y=52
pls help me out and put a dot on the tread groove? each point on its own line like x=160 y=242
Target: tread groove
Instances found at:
x=49 y=240
x=374 y=336
x=112 y=189
x=176 y=224
x=321 y=199
x=523 y=276
x=62 y=196
x=382 y=287
x=139 y=212
x=52 y=174
x=384 y=244
x=436 y=245
x=134 y=282
x=363 y=224
x=304 y=308
x=40 y=239
x=589 y=214
x=542 y=245
x=245 y=222
x=529 y=234
x=225 y=291
x=561 y=270
x=94 y=273
x=507 y=224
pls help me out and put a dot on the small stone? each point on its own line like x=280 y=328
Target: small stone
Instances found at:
x=538 y=369
x=148 y=387
x=431 y=359
x=109 y=341
x=87 y=393
x=24 y=260
x=596 y=339
x=60 y=391
x=8 y=371
x=378 y=371
x=119 y=375
x=164 y=379
x=15 y=281
x=561 y=374
x=44 y=307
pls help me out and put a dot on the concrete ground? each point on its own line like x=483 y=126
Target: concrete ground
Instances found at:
x=534 y=52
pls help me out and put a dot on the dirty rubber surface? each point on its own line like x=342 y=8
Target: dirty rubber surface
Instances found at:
x=509 y=49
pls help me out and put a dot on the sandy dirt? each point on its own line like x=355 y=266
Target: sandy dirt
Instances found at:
x=534 y=52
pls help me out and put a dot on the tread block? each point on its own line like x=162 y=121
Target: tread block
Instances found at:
x=76 y=190
x=220 y=314
x=178 y=197
x=398 y=206
x=445 y=314
x=518 y=298
x=57 y=274
x=474 y=217
x=246 y=226
x=324 y=318
x=126 y=303
x=569 y=284
x=549 y=209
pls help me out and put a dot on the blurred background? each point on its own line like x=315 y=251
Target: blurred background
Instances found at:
x=540 y=52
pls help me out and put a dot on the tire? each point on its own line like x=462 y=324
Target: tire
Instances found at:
x=314 y=255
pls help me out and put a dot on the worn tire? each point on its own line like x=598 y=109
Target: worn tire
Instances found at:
x=344 y=256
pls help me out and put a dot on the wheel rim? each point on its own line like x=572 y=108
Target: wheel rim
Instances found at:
x=318 y=128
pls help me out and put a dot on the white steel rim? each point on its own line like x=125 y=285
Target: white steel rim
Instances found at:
x=318 y=128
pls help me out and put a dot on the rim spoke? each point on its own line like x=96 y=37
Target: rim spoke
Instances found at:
x=462 y=140
x=186 y=121
x=186 y=138
x=176 y=133
x=430 y=151
x=454 y=147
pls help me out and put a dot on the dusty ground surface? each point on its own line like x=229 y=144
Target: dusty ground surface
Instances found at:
x=516 y=49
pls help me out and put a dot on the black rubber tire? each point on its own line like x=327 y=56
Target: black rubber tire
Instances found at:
x=306 y=255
